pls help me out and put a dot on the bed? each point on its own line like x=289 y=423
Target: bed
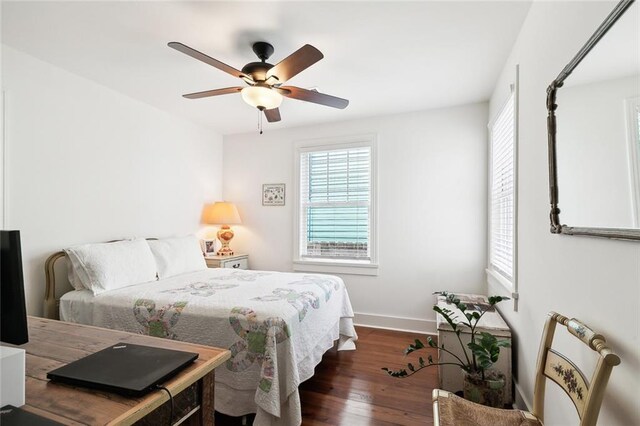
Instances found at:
x=277 y=326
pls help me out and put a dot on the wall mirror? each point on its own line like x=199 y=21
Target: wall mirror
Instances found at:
x=594 y=133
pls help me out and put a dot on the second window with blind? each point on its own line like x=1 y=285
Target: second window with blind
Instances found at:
x=502 y=196
x=336 y=203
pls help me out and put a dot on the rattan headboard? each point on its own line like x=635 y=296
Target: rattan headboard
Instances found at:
x=51 y=302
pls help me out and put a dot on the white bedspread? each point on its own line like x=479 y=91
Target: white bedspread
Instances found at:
x=276 y=325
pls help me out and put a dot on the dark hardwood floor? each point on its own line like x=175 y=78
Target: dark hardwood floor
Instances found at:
x=349 y=388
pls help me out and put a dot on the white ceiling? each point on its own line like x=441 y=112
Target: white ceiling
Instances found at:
x=385 y=57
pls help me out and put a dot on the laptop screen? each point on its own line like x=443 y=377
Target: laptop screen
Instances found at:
x=125 y=368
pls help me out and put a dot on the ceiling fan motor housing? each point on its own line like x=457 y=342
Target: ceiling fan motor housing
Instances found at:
x=257 y=70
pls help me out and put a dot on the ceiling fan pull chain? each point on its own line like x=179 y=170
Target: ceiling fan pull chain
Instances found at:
x=260 y=121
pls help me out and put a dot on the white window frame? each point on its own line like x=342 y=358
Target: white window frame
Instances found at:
x=493 y=276
x=632 y=107
x=354 y=267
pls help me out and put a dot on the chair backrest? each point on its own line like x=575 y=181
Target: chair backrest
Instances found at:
x=586 y=395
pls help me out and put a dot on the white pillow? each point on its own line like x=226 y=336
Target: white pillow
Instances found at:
x=72 y=275
x=175 y=256
x=108 y=266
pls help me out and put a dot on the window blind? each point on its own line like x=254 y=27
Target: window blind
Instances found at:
x=502 y=207
x=335 y=195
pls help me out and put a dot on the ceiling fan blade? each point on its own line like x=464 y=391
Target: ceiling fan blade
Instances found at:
x=293 y=64
x=312 y=96
x=206 y=59
x=272 y=115
x=215 y=92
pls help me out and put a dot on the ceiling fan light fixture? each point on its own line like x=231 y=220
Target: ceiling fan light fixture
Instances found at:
x=261 y=97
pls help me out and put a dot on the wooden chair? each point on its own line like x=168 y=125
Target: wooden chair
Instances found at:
x=451 y=410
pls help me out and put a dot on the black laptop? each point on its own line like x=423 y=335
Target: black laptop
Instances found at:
x=14 y=416
x=126 y=369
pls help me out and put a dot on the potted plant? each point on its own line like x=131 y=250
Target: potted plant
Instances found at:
x=481 y=384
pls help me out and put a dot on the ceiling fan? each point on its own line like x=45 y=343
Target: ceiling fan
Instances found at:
x=265 y=81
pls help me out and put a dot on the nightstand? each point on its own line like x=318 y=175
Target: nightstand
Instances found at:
x=236 y=261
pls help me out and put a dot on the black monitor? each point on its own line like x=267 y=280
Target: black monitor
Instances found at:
x=13 y=311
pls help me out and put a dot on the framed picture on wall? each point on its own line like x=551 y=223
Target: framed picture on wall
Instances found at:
x=273 y=194
x=209 y=247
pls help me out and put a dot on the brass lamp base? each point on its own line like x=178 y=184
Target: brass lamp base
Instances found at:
x=225 y=235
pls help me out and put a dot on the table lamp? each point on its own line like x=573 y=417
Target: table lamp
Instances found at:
x=225 y=214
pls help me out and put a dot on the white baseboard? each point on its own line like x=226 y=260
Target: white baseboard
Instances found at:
x=396 y=323
x=520 y=401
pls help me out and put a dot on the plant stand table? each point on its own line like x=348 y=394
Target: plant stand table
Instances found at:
x=450 y=376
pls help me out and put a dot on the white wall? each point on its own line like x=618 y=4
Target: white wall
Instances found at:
x=432 y=207
x=595 y=280
x=87 y=164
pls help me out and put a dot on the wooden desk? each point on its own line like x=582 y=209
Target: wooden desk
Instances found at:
x=55 y=343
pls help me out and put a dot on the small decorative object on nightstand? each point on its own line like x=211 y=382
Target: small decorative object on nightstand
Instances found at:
x=238 y=261
x=208 y=247
x=225 y=214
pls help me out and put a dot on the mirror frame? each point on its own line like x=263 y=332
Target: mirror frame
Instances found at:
x=554 y=215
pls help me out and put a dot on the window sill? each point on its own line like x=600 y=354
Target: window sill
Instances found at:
x=497 y=279
x=335 y=267
x=503 y=287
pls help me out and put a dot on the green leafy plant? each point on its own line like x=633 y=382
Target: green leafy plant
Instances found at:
x=479 y=354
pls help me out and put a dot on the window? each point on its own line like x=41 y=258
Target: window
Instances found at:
x=502 y=195
x=633 y=122
x=336 y=204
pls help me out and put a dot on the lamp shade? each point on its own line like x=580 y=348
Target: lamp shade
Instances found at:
x=220 y=213
x=261 y=97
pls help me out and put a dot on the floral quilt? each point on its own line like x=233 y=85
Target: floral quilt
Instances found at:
x=276 y=326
